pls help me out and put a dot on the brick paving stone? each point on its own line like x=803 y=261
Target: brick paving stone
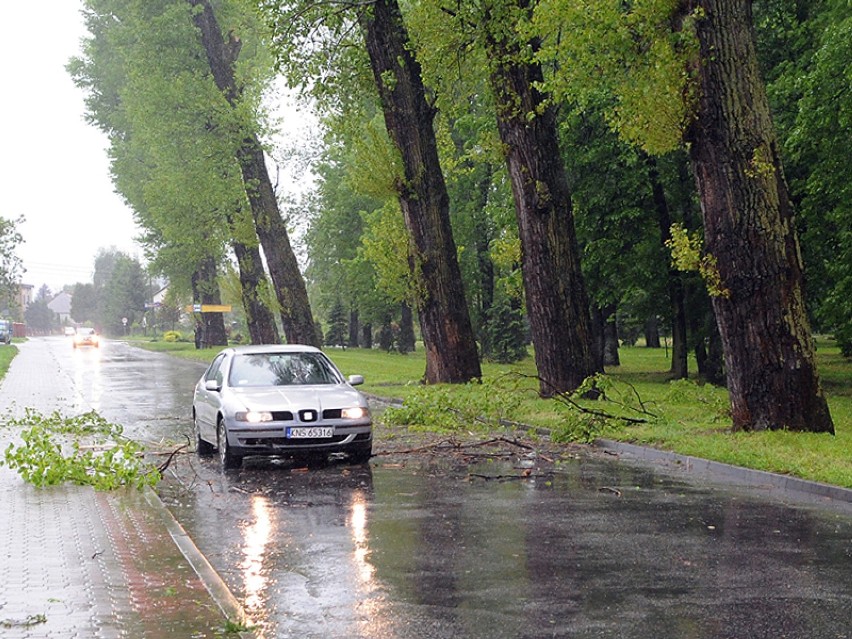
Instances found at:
x=76 y=563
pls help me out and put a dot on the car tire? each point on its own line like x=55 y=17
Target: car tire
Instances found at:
x=228 y=459
x=202 y=446
x=361 y=456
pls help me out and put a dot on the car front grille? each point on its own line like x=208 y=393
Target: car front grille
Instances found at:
x=299 y=443
x=287 y=416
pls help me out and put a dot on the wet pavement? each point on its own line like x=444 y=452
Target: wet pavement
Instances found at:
x=594 y=549
x=430 y=547
x=77 y=563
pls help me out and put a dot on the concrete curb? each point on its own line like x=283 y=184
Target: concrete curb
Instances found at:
x=801 y=489
x=218 y=589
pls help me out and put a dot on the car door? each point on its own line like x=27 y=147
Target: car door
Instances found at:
x=207 y=402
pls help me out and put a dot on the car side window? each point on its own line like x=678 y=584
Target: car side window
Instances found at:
x=215 y=371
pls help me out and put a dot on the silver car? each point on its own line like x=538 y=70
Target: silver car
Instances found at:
x=279 y=400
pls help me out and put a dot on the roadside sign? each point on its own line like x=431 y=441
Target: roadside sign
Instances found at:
x=209 y=308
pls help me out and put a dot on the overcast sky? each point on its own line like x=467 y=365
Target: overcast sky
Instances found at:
x=53 y=166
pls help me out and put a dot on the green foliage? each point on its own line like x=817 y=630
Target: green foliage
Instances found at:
x=7 y=354
x=820 y=143
x=86 y=450
x=444 y=408
x=11 y=268
x=687 y=256
x=634 y=56
x=173 y=336
x=336 y=335
x=123 y=293
x=384 y=244
x=506 y=332
x=39 y=316
x=84 y=303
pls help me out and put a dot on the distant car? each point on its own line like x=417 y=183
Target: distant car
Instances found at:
x=70 y=331
x=86 y=337
x=286 y=400
x=6 y=331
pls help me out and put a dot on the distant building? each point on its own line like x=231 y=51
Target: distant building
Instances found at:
x=160 y=296
x=19 y=306
x=61 y=305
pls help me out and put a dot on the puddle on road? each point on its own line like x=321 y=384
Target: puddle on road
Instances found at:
x=589 y=549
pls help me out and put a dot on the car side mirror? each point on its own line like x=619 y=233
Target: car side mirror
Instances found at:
x=212 y=385
x=356 y=380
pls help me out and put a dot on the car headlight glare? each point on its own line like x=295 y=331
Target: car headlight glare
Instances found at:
x=253 y=416
x=356 y=412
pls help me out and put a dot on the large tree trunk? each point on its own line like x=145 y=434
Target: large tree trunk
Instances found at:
x=750 y=231
x=652 y=332
x=354 y=328
x=287 y=280
x=557 y=303
x=366 y=336
x=679 y=369
x=259 y=319
x=441 y=305
x=209 y=327
x=610 y=336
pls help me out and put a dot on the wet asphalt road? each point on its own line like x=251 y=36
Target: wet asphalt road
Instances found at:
x=430 y=549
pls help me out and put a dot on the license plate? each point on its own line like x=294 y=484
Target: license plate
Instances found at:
x=316 y=432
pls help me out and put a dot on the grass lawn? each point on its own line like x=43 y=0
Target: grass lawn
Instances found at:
x=7 y=354
x=681 y=416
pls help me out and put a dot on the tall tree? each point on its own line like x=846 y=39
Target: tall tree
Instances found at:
x=557 y=302
x=123 y=293
x=209 y=327
x=445 y=325
x=750 y=230
x=686 y=71
x=491 y=34
x=84 y=302
x=311 y=35
x=172 y=158
x=11 y=267
x=289 y=284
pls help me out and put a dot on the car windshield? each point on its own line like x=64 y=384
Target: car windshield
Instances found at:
x=280 y=369
x=85 y=332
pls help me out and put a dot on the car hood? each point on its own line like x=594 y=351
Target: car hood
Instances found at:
x=298 y=397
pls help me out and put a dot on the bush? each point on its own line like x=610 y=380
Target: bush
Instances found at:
x=172 y=336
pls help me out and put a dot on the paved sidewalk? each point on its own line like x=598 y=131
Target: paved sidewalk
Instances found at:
x=87 y=564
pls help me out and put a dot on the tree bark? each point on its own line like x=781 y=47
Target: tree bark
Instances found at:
x=406 y=329
x=354 y=328
x=366 y=336
x=209 y=327
x=290 y=289
x=259 y=319
x=557 y=302
x=441 y=304
x=750 y=231
x=610 y=336
x=652 y=332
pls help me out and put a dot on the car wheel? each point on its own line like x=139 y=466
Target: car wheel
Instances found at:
x=228 y=459
x=361 y=456
x=202 y=446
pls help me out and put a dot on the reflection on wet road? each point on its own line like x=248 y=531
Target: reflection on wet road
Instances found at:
x=597 y=549
x=406 y=550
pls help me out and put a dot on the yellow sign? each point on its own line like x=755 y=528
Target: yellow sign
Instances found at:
x=208 y=308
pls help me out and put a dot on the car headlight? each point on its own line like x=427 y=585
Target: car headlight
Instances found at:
x=253 y=416
x=356 y=412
